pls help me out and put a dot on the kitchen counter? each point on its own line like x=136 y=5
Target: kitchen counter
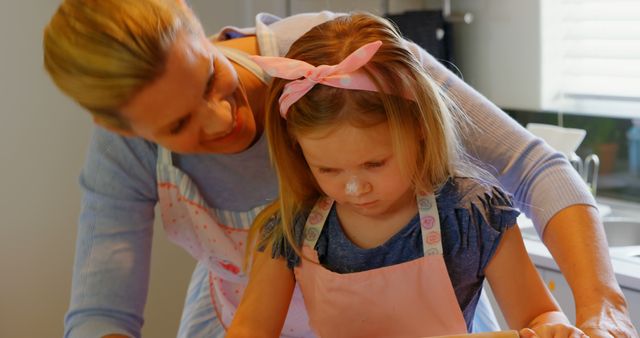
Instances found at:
x=626 y=267
x=627 y=271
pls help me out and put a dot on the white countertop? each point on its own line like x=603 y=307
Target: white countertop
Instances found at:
x=627 y=272
x=627 y=269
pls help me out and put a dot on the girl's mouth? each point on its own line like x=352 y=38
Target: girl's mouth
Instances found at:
x=365 y=205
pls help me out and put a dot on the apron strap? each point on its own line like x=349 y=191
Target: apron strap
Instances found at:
x=243 y=59
x=429 y=224
x=315 y=221
x=164 y=156
x=267 y=41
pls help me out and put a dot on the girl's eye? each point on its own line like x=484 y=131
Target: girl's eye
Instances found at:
x=179 y=126
x=327 y=171
x=373 y=165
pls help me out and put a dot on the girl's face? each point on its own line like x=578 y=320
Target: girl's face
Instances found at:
x=358 y=168
x=197 y=105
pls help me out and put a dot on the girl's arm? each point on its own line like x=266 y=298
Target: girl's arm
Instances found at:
x=521 y=293
x=266 y=299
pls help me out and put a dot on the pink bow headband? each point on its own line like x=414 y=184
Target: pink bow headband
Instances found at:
x=347 y=74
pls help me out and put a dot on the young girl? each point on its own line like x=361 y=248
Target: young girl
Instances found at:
x=382 y=220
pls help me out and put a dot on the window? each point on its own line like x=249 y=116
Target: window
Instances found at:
x=577 y=57
x=591 y=56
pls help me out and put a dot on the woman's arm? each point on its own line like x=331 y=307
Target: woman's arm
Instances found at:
x=600 y=306
x=265 y=302
x=521 y=293
x=113 y=246
x=547 y=189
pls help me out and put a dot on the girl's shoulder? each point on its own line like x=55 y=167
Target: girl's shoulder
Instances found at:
x=464 y=191
x=477 y=201
x=281 y=248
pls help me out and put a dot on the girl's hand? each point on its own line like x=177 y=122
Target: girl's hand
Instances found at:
x=554 y=330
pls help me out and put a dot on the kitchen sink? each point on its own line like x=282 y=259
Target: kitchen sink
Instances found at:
x=623 y=236
x=622 y=231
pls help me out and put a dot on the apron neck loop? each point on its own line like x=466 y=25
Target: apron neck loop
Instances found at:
x=164 y=156
x=429 y=223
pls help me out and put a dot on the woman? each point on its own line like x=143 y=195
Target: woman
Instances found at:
x=181 y=122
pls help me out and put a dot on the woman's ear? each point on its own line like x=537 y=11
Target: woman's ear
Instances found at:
x=112 y=127
x=183 y=4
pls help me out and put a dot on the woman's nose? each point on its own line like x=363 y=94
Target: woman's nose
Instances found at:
x=356 y=186
x=215 y=117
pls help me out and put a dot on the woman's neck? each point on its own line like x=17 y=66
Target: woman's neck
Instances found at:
x=254 y=88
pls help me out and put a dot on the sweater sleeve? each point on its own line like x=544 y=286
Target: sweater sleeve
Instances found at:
x=540 y=179
x=111 y=268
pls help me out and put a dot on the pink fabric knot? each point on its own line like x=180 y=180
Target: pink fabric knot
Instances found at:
x=347 y=74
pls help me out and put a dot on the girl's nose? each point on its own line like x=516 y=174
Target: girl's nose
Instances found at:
x=356 y=187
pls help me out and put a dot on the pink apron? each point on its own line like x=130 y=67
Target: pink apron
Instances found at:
x=411 y=299
x=215 y=237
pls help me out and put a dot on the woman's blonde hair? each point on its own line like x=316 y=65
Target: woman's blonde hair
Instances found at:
x=101 y=52
x=422 y=130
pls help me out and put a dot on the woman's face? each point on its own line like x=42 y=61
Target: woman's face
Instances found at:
x=197 y=105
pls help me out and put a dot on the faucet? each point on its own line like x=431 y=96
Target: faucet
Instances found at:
x=588 y=169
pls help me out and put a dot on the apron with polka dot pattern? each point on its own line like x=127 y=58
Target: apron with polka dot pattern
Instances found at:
x=216 y=238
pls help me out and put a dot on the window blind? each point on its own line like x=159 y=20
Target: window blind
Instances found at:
x=592 y=52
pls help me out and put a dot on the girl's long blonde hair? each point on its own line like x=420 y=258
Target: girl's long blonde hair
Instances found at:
x=422 y=129
x=101 y=52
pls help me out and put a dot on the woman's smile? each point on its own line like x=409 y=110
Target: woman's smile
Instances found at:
x=231 y=122
x=236 y=125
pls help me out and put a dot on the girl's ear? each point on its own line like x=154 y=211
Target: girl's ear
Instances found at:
x=111 y=127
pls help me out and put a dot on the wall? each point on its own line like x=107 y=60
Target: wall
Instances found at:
x=43 y=137
x=499 y=53
x=42 y=141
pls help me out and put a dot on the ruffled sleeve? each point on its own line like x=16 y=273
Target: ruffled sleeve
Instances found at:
x=281 y=247
x=474 y=216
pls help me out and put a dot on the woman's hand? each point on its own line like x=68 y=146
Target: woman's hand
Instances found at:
x=552 y=330
x=606 y=321
x=601 y=309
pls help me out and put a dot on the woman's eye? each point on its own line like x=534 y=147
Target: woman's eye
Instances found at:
x=209 y=86
x=179 y=126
